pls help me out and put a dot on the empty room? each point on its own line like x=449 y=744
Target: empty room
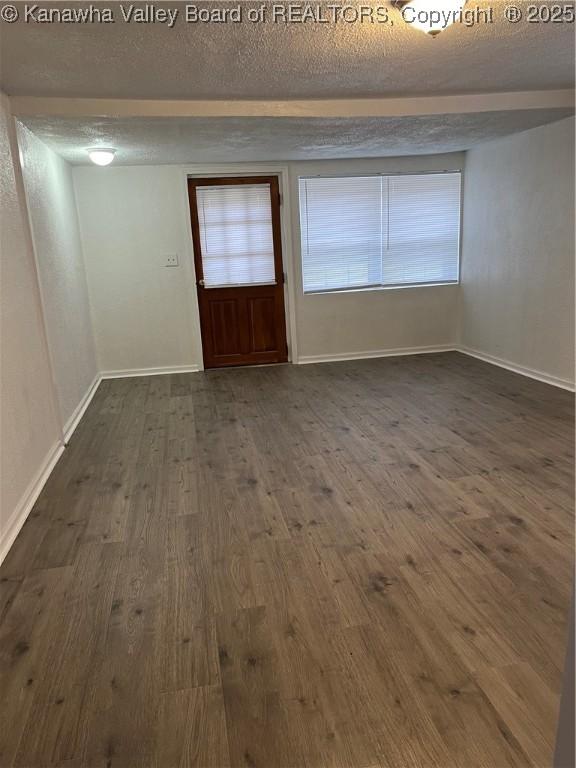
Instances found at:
x=287 y=384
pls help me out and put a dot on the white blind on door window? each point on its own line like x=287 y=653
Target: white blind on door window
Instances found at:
x=379 y=230
x=236 y=234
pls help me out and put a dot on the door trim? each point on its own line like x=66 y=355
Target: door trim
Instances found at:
x=195 y=171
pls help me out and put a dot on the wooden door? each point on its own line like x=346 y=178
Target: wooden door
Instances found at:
x=240 y=279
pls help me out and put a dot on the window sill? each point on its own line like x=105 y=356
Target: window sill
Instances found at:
x=380 y=288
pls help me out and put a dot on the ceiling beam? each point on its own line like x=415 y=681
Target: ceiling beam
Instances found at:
x=27 y=106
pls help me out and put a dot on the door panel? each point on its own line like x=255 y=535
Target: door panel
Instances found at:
x=262 y=324
x=236 y=236
x=225 y=326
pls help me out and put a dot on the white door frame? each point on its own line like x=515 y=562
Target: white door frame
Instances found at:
x=252 y=169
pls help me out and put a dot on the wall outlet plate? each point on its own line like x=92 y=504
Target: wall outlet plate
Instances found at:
x=171 y=260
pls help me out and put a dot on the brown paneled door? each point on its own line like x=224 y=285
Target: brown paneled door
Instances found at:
x=240 y=279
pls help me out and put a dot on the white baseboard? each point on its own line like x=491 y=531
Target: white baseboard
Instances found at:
x=398 y=352
x=531 y=373
x=131 y=372
x=80 y=409
x=24 y=507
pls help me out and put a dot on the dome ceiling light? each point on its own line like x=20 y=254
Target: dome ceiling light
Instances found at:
x=101 y=155
x=430 y=16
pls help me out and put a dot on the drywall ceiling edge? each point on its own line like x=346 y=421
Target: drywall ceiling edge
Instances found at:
x=386 y=107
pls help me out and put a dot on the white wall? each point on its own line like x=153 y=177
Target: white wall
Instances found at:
x=30 y=433
x=145 y=315
x=56 y=237
x=517 y=292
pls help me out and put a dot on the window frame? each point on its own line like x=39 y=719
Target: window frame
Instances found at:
x=381 y=286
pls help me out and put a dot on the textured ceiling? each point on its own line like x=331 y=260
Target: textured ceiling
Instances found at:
x=275 y=61
x=182 y=140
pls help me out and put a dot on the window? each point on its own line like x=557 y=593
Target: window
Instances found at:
x=236 y=234
x=372 y=231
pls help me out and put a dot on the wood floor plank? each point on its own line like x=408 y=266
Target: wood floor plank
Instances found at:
x=192 y=730
x=8 y=590
x=189 y=646
x=257 y=726
x=349 y=565
x=526 y=705
x=26 y=635
x=56 y=728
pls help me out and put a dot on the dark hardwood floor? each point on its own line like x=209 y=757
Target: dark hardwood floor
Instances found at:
x=350 y=564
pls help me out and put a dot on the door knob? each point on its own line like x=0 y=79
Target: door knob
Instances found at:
x=201 y=282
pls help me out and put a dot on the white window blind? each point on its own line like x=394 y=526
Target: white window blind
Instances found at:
x=236 y=234
x=379 y=230
x=341 y=232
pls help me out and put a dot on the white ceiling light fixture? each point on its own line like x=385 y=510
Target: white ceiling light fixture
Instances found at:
x=430 y=16
x=101 y=155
